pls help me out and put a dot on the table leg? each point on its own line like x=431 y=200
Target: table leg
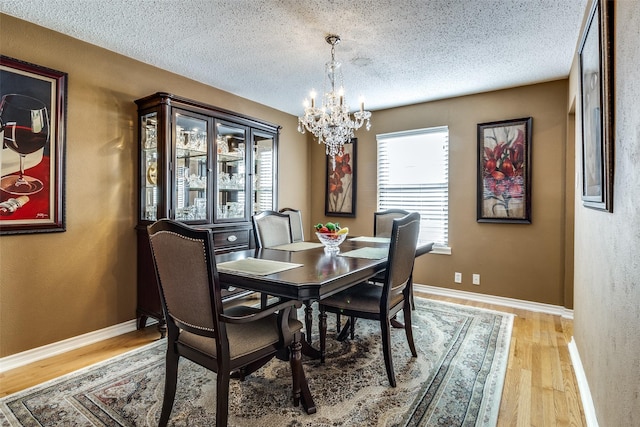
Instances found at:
x=308 y=319
x=301 y=392
x=307 y=400
x=396 y=323
x=309 y=350
x=346 y=329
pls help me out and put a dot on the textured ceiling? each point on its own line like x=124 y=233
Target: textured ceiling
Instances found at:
x=393 y=52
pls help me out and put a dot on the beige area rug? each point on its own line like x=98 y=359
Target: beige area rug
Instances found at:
x=456 y=380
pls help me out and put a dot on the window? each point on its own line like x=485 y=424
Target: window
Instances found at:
x=413 y=174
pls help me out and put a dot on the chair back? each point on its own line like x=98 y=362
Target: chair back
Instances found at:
x=187 y=278
x=297 y=229
x=402 y=254
x=383 y=221
x=271 y=228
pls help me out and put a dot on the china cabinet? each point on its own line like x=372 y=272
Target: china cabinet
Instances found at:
x=206 y=167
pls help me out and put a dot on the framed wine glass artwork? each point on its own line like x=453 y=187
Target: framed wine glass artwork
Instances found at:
x=32 y=131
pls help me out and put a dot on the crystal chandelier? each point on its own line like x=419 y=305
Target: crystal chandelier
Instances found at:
x=331 y=123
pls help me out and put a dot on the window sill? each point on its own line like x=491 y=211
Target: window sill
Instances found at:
x=441 y=250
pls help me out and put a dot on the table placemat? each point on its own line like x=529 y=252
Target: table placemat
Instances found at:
x=371 y=239
x=297 y=246
x=369 y=253
x=256 y=267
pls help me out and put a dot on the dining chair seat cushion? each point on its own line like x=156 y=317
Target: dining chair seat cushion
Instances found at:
x=364 y=297
x=244 y=338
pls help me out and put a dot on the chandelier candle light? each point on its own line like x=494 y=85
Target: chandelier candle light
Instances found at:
x=331 y=123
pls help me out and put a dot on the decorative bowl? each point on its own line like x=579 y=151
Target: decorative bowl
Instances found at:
x=331 y=241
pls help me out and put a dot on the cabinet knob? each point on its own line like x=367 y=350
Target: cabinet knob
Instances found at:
x=232 y=238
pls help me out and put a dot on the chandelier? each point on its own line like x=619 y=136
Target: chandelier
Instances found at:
x=331 y=123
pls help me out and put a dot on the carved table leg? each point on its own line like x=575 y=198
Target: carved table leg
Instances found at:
x=308 y=319
x=396 y=323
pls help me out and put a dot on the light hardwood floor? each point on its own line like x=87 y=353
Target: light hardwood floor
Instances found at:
x=540 y=387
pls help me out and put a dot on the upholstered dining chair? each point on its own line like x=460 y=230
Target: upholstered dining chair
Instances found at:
x=371 y=301
x=232 y=341
x=271 y=228
x=383 y=221
x=382 y=225
x=297 y=229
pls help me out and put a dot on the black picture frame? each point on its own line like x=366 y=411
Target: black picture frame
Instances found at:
x=44 y=210
x=504 y=171
x=596 y=91
x=340 y=193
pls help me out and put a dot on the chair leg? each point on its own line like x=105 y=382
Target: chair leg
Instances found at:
x=338 y=321
x=323 y=334
x=308 y=319
x=408 y=330
x=170 y=383
x=386 y=349
x=222 y=398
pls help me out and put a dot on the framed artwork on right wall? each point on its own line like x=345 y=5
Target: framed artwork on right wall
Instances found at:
x=596 y=91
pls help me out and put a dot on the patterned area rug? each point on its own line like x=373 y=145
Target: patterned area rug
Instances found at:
x=456 y=380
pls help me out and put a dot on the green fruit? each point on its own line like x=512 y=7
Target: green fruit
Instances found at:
x=331 y=226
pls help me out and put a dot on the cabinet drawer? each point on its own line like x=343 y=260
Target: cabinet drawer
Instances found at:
x=231 y=238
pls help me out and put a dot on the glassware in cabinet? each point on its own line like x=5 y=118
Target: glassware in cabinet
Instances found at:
x=149 y=143
x=191 y=167
x=231 y=172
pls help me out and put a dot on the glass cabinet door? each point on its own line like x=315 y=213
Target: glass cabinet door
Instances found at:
x=263 y=171
x=149 y=158
x=191 y=167
x=231 y=200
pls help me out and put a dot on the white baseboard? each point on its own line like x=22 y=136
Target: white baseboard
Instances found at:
x=39 y=353
x=491 y=299
x=583 y=386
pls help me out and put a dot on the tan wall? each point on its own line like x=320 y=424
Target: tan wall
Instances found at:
x=84 y=279
x=514 y=260
x=607 y=270
x=60 y=285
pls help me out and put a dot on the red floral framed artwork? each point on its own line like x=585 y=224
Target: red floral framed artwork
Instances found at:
x=32 y=130
x=341 y=182
x=504 y=171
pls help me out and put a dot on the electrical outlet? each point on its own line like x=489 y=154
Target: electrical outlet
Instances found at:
x=476 y=279
x=457 y=277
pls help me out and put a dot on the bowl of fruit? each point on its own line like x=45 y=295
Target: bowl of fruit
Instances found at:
x=331 y=235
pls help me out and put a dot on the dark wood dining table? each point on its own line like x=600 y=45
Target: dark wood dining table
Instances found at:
x=318 y=275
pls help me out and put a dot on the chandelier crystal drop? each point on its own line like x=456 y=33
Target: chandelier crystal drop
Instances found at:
x=331 y=123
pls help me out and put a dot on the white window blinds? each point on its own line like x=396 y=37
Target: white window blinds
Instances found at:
x=413 y=174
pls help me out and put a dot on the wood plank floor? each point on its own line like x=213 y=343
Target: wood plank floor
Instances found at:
x=540 y=387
